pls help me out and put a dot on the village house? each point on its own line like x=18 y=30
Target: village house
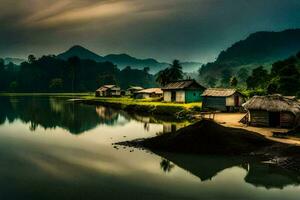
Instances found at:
x=222 y=99
x=273 y=111
x=148 y=93
x=183 y=91
x=130 y=91
x=108 y=91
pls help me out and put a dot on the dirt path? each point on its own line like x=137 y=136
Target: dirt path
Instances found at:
x=232 y=120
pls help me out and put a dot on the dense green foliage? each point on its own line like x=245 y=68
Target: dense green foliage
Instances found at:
x=51 y=74
x=284 y=78
x=261 y=48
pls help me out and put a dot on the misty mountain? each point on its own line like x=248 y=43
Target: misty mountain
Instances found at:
x=124 y=60
x=260 y=48
x=16 y=61
x=81 y=53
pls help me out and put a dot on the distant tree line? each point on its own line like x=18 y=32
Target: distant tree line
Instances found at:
x=283 y=78
x=49 y=74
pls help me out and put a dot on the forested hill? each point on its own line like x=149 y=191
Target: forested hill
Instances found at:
x=50 y=74
x=124 y=60
x=121 y=60
x=258 y=48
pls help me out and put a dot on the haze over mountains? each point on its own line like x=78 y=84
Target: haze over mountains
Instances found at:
x=124 y=60
x=260 y=48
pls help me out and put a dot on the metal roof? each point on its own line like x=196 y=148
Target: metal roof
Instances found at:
x=182 y=84
x=151 y=90
x=219 y=92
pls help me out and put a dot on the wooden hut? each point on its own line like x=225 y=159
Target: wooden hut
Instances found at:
x=273 y=111
x=148 y=93
x=130 y=91
x=222 y=99
x=108 y=91
x=183 y=91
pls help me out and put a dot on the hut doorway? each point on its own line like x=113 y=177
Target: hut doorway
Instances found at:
x=173 y=96
x=236 y=100
x=274 y=119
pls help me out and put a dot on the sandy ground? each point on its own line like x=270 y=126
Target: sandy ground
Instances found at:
x=232 y=120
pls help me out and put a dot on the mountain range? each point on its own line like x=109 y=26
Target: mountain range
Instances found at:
x=124 y=60
x=260 y=48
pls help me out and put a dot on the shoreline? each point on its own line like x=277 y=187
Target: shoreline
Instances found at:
x=208 y=137
x=177 y=110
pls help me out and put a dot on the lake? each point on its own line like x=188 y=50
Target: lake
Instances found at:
x=51 y=148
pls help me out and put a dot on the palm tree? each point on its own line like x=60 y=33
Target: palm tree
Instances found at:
x=175 y=71
x=163 y=77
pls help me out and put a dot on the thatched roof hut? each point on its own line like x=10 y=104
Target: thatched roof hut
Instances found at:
x=273 y=110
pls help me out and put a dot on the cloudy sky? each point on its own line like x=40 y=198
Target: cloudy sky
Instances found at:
x=164 y=29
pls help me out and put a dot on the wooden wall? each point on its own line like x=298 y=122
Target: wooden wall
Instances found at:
x=287 y=119
x=216 y=103
x=259 y=118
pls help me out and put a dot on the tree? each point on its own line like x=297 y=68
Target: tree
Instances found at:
x=163 y=77
x=258 y=79
x=56 y=84
x=13 y=86
x=146 y=70
x=210 y=81
x=233 y=81
x=31 y=59
x=272 y=88
x=175 y=71
x=298 y=55
x=226 y=74
x=243 y=74
x=289 y=80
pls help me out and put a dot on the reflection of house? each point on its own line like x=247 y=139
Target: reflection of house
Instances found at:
x=107 y=113
x=170 y=128
x=130 y=91
x=222 y=99
x=184 y=91
x=108 y=91
x=148 y=93
x=273 y=110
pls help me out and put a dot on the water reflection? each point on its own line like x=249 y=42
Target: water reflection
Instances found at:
x=52 y=164
x=53 y=112
x=208 y=166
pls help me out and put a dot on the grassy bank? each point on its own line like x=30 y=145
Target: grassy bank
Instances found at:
x=150 y=106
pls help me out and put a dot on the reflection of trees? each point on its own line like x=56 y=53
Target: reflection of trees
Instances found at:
x=166 y=165
x=207 y=167
x=53 y=112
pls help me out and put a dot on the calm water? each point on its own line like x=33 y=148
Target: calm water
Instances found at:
x=54 y=149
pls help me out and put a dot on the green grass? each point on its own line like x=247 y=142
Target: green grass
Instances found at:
x=150 y=102
x=153 y=106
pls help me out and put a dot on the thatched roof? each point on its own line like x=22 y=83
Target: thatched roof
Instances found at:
x=273 y=103
x=183 y=84
x=150 y=91
x=219 y=92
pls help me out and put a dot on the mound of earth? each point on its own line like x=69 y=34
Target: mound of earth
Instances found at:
x=205 y=136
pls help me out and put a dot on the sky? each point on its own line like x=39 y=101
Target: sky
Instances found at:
x=189 y=30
